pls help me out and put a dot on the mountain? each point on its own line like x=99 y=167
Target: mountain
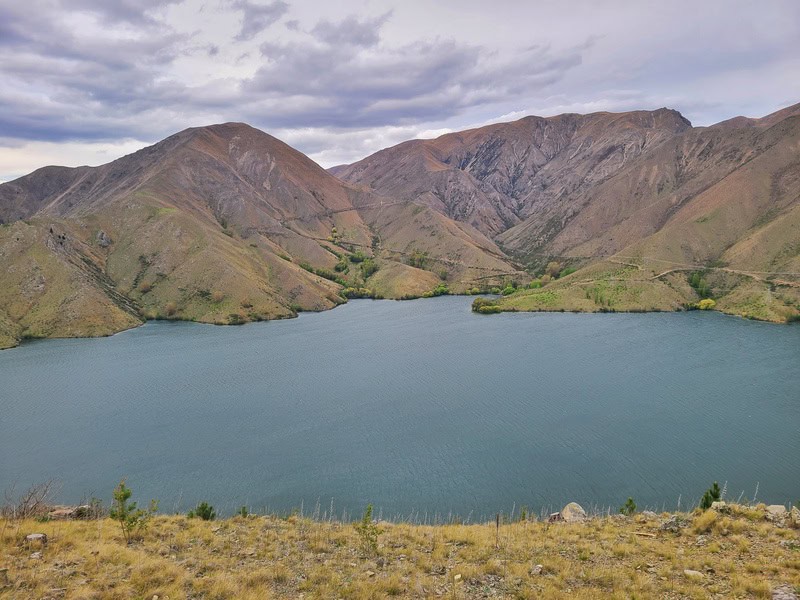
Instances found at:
x=220 y=224
x=635 y=202
x=496 y=176
x=227 y=224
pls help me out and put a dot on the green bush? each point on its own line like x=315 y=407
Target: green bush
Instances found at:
x=132 y=520
x=712 y=495
x=700 y=285
x=535 y=284
x=628 y=508
x=358 y=256
x=368 y=531
x=565 y=272
x=418 y=259
x=368 y=267
x=203 y=511
x=485 y=306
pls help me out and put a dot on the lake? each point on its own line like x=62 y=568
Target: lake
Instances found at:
x=419 y=407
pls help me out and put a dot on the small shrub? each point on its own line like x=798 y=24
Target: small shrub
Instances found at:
x=368 y=267
x=418 y=259
x=712 y=495
x=132 y=520
x=236 y=319
x=706 y=304
x=145 y=287
x=535 y=284
x=440 y=290
x=552 y=269
x=170 y=308
x=628 y=508
x=485 y=306
x=358 y=256
x=203 y=511
x=217 y=296
x=368 y=531
x=565 y=272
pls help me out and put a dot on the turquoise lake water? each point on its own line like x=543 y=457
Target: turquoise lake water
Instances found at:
x=420 y=407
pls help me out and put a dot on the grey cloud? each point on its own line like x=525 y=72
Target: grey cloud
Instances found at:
x=350 y=31
x=59 y=85
x=363 y=85
x=257 y=17
x=135 y=12
x=346 y=77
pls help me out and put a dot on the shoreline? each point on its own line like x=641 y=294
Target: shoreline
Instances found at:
x=23 y=340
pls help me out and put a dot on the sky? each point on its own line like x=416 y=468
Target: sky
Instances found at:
x=87 y=81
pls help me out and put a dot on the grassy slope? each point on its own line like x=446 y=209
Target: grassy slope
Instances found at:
x=51 y=289
x=740 y=555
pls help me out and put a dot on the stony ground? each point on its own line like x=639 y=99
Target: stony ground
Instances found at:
x=735 y=552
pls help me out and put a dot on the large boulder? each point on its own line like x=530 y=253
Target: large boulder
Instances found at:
x=573 y=513
x=777 y=513
x=794 y=518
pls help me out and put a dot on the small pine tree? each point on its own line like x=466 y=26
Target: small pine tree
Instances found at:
x=712 y=495
x=628 y=508
x=243 y=512
x=368 y=531
x=132 y=520
x=203 y=511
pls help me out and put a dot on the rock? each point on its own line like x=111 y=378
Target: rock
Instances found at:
x=573 y=513
x=690 y=574
x=370 y=573
x=37 y=537
x=794 y=517
x=721 y=507
x=103 y=240
x=554 y=517
x=784 y=592
x=36 y=555
x=673 y=524
x=59 y=513
x=776 y=513
x=649 y=514
x=536 y=570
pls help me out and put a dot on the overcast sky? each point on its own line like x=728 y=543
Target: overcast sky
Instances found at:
x=86 y=81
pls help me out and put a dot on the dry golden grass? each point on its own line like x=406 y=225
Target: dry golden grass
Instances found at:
x=740 y=556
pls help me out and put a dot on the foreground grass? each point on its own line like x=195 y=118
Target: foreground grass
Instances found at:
x=738 y=556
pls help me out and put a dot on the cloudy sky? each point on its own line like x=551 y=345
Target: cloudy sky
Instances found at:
x=86 y=81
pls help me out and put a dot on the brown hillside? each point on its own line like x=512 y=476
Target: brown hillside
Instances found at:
x=220 y=224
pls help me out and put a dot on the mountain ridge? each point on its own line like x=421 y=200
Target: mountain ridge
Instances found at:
x=221 y=224
x=228 y=224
